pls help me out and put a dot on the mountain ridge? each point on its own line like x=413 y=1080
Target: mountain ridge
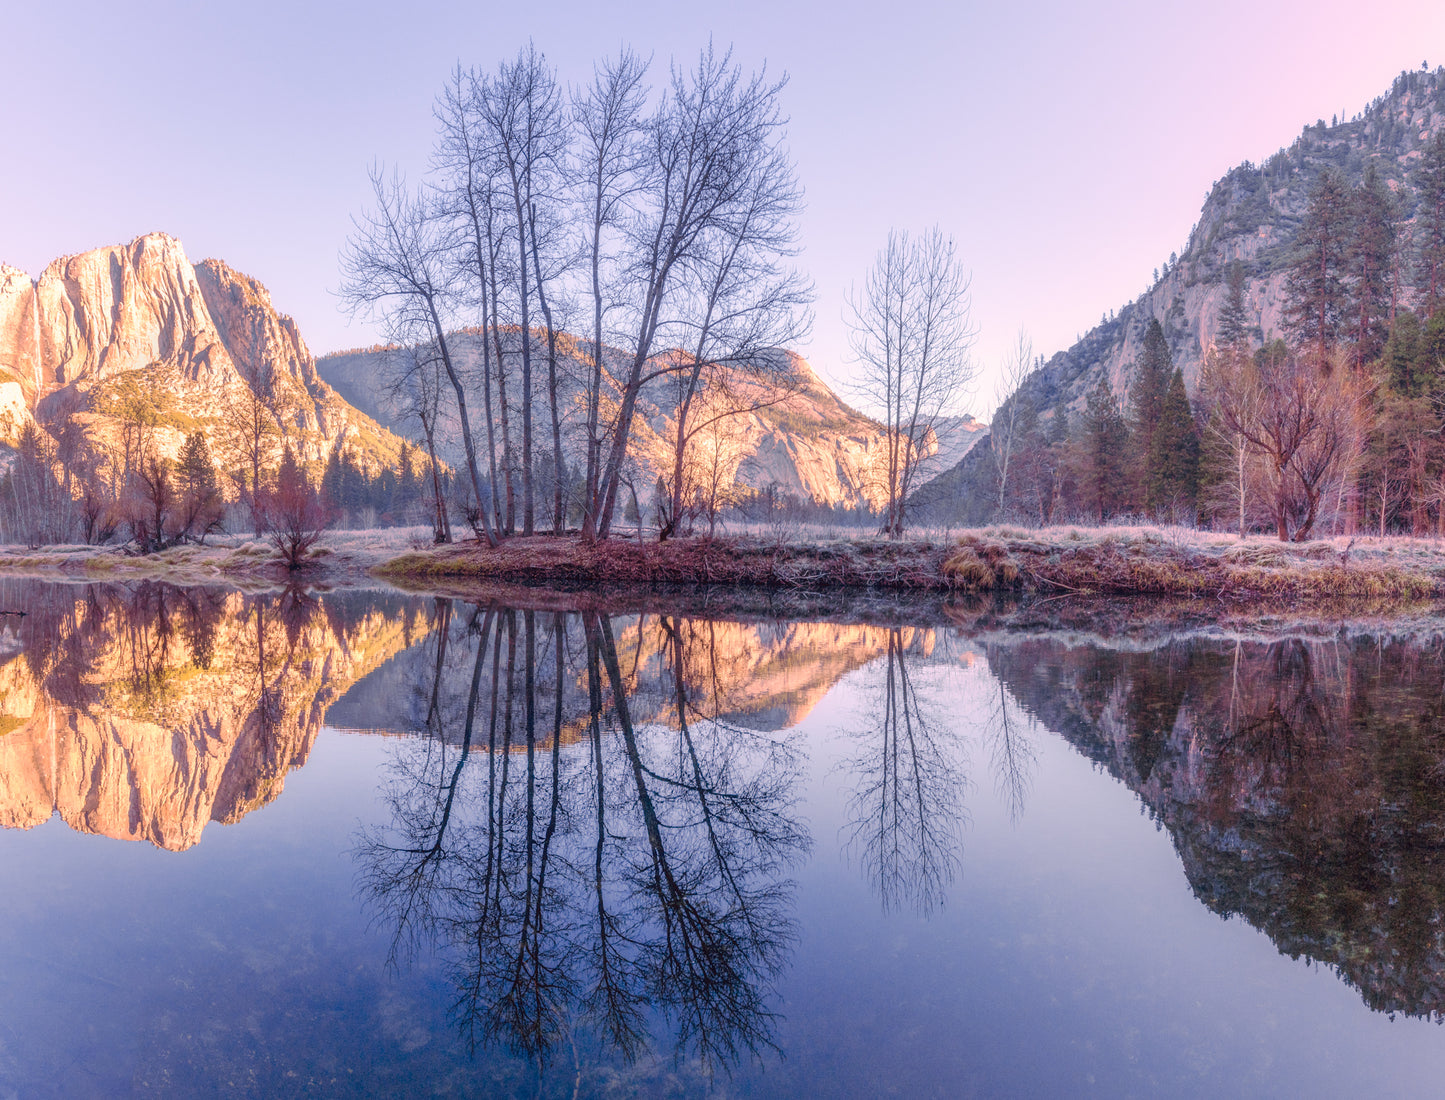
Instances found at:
x=803 y=440
x=1251 y=214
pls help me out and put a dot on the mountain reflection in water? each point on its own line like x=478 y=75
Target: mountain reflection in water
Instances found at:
x=144 y=712
x=590 y=827
x=1302 y=782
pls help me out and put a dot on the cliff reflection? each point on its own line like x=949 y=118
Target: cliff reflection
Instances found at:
x=145 y=712
x=1302 y=781
x=602 y=850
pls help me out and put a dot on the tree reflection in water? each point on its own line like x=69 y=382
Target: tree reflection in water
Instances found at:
x=600 y=875
x=906 y=813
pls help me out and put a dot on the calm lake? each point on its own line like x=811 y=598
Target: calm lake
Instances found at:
x=359 y=843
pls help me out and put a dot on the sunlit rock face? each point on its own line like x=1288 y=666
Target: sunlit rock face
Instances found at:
x=801 y=437
x=105 y=331
x=147 y=714
x=762 y=675
x=1300 y=781
x=1252 y=214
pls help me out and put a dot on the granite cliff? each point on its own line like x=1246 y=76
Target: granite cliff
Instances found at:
x=138 y=331
x=801 y=438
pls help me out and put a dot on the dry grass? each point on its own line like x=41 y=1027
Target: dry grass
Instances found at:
x=1150 y=561
x=1171 y=562
x=741 y=561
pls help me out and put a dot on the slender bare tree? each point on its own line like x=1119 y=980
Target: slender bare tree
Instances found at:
x=466 y=186
x=393 y=265
x=911 y=334
x=523 y=110
x=417 y=380
x=1003 y=436
x=741 y=306
x=609 y=172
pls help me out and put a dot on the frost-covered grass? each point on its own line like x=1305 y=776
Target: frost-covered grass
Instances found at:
x=1137 y=559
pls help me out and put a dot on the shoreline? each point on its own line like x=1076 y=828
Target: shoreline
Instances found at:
x=1051 y=563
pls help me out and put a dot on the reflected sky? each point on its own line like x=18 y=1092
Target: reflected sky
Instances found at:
x=660 y=855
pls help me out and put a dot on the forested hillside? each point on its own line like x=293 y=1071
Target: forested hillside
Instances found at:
x=1308 y=291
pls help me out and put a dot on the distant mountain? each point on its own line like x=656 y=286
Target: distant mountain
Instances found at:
x=139 y=326
x=803 y=439
x=1252 y=215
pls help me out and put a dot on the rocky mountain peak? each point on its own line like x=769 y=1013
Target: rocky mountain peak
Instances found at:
x=141 y=320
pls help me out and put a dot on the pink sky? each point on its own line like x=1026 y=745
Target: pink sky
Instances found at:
x=1067 y=147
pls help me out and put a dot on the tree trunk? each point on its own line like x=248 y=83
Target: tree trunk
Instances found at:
x=559 y=462
x=466 y=423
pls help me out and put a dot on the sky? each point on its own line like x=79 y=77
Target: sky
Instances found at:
x=1067 y=148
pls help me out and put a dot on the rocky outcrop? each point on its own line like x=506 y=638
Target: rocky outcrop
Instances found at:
x=138 y=331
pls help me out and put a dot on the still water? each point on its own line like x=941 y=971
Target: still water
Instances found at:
x=366 y=844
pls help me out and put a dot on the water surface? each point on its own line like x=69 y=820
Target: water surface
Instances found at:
x=364 y=844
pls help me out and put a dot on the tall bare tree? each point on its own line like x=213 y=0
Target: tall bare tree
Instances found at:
x=741 y=306
x=393 y=265
x=468 y=191
x=522 y=107
x=609 y=172
x=417 y=380
x=911 y=334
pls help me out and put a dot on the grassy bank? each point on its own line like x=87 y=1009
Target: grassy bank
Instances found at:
x=1057 y=562
x=1078 y=561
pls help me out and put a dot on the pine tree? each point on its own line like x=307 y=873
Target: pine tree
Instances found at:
x=1174 y=458
x=406 y=482
x=1369 y=258
x=1146 y=408
x=333 y=478
x=201 y=506
x=1401 y=356
x=1316 y=299
x=1106 y=442
x=1234 y=320
x=1430 y=268
x=196 y=470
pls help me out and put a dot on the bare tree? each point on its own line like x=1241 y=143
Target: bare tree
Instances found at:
x=911 y=334
x=703 y=143
x=294 y=514
x=1305 y=420
x=394 y=264
x=607 y=118
x=1230 y=378
x=741 y=305
x=1003 y=436
x=468 y=192
x=417 y=381
x=251 y=432
x=522 y=108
